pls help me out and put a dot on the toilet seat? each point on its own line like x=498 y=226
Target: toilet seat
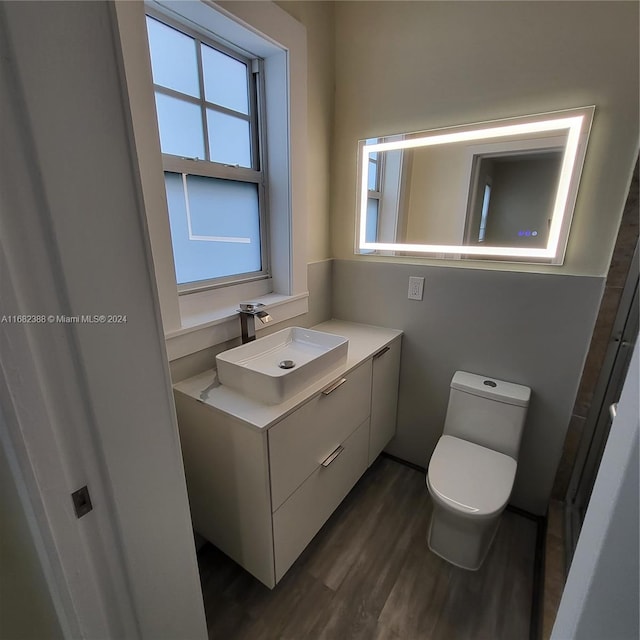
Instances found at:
x=470 y=479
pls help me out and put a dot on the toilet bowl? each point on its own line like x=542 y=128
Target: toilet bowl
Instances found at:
x=473 y=467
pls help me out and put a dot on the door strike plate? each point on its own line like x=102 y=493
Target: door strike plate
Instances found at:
x=82 y=501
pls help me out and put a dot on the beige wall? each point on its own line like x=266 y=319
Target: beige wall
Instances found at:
x=438 y=201
x=407 y=66
x=317 y=17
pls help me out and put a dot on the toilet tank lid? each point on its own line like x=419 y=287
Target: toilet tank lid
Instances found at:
x=491 y=388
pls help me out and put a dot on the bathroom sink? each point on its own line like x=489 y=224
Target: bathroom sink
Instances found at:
x=276 y=367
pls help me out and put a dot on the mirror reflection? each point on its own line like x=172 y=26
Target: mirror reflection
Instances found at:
x=503 y=190
x=512 y=200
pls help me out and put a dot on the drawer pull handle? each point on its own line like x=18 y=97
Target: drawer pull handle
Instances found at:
x=381 y=352
x=332 y=456
x=333 y=386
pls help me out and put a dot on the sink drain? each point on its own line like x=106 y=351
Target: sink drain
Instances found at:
x=287 y=364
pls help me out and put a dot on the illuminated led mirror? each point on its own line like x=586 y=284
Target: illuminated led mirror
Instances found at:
x=499 y=190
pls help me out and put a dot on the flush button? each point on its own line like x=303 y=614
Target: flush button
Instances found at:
x=490 y=383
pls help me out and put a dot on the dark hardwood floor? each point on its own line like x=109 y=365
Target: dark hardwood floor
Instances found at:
x=369 y=575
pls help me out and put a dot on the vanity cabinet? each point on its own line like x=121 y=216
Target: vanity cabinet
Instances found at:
x=305 y=439
x=262 y=480
x=384 y=398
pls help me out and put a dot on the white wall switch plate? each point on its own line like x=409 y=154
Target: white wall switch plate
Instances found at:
x=416 y=285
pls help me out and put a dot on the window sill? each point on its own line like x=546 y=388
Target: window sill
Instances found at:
x=206 y=329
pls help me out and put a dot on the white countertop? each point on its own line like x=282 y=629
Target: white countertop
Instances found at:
x=364 y=341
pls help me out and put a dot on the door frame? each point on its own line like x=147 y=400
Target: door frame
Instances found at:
x=602 y=410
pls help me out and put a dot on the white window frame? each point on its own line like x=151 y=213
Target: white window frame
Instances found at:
x=204 y=318
x=376 y=192
x=208 y=168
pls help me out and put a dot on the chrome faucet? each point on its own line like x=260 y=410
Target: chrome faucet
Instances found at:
x=249 y=311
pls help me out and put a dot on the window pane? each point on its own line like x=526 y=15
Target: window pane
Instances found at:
x=371 y=231
x=173 y=58
x=229 y=139
x=485 y=212
x=218 y=233
x=180 y=125
x=225 y=80
x=373 y=171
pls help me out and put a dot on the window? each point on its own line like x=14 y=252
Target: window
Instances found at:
x=374 y=186
x=207 y=100
x=485 y=212
x=203 y=314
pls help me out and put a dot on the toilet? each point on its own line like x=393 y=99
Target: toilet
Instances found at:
x=473 y=466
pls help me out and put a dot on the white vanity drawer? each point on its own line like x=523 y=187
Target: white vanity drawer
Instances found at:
x=303 y=514
x=303 y=440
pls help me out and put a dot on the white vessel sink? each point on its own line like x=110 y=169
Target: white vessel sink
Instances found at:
x=276 y=367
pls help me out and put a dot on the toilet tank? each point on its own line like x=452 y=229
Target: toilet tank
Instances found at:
x=487 y=411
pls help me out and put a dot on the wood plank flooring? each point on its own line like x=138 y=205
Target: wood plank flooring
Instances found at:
x=369 y=575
